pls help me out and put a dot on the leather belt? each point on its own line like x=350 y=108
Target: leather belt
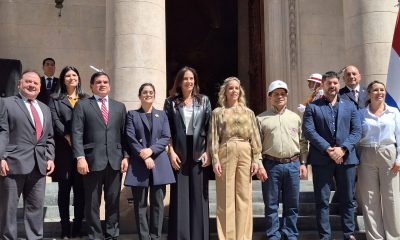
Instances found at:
x=282 y=160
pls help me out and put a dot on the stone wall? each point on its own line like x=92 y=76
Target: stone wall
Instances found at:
x=32 y=31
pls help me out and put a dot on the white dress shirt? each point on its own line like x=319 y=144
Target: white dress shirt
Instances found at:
x=36 y=105
x=99 y=102
x=382 y=130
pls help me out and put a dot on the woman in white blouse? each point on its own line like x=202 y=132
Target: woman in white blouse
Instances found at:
x=378 y=175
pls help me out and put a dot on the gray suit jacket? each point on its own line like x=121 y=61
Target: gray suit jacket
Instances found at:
x=23 y=150
x=3 y=127
x=91 y=137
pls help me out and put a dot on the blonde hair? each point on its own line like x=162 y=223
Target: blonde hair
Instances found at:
x=222 y=90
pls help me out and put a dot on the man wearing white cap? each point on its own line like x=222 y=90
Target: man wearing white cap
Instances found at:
x=314 y=84
x=284 y=152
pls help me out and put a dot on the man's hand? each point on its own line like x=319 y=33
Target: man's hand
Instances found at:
x=336 y=154
x=175 y=161
x=124 y=165
x=50 y=167
x=145 y=153
x=262 y=174
x=303 y=171
x=4 y=168
x=217 y=169
x=82 y=166
x=149 y=163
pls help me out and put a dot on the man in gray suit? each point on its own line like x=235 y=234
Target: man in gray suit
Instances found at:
x=3 y=127
x=98 y=143
x=27 y=159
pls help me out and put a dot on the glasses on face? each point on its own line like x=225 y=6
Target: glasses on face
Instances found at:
x=149 y=93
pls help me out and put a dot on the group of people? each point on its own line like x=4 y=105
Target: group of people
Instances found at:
x=86 y=144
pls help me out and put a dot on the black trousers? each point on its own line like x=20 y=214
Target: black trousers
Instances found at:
x=157 y=194
x=94 y=182
x=188 y=213
x=64 y=188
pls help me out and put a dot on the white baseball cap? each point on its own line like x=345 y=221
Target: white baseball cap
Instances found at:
x=277 y=84
x=315 y=77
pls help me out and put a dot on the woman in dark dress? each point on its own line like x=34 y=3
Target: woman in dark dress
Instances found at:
x=61 y=105
x=189 y=115
x=149 y=170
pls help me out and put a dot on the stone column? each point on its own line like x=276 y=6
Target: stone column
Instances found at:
x=368 y=29
x=135 y=54
x=135 y=48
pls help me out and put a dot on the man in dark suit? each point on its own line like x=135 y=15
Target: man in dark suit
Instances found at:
x=98 y=143
x=353 y=91
x=49 y=83
x=28 y=158
x=333 y=127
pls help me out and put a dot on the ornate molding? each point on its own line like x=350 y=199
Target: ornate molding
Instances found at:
x=293 y=33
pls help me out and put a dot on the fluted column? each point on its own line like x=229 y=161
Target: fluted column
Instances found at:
x=135 y=54
x=369 y=27
x=135 y=48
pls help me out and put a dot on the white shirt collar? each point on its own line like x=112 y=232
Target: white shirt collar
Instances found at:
x=356 y=88
x=97 y=98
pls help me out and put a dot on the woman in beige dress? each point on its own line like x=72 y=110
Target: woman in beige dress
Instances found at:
x=235 y=146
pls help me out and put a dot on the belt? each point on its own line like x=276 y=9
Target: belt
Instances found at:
x=376 y=145
x=282 y=160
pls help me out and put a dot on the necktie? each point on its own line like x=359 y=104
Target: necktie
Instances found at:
x=48 y=84
x=36 y=119
x=104 y=111
x=355 y=95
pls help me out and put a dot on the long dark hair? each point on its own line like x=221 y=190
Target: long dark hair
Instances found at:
x=369 y=89
x=176 y=90
x=61 y=91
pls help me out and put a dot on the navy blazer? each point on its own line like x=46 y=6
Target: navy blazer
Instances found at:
x=317 y=131
x=362 y=96
x=140 y=136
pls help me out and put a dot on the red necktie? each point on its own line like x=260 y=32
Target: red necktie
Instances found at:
x=104 y=111
x=36 y=119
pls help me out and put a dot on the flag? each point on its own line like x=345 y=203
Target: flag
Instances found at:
x=393 y=77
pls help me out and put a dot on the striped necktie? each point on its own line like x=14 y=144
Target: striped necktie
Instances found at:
x=104 y=111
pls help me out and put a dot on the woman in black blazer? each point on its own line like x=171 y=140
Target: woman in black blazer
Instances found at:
x=189 y=115
x=61 y=104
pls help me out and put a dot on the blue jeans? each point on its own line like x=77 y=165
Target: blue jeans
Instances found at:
x=285 y=178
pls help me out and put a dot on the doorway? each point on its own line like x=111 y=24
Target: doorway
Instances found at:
x=203 y=34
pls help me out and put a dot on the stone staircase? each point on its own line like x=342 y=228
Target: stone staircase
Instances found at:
x=306 y=223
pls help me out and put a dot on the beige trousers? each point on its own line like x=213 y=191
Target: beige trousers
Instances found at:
x=379 y=189
x=234 y=192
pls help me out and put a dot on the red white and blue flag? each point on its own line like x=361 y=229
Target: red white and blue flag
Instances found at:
x=393 y=77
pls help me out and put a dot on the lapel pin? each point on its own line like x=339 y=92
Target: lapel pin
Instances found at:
x=156 y=115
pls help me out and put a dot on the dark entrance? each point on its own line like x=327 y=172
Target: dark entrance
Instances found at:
x=203 y=34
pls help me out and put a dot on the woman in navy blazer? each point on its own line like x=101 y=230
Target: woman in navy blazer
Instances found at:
x=148 y=134
x=61 y=105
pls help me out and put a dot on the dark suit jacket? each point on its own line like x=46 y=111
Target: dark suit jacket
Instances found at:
x=201 y=121
x=23 y=150
x=317 y=131
x=61 y=112
x=362 y=96
x=44 y=95
x=3 y=127
x=91 y=137
x=140 y=136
